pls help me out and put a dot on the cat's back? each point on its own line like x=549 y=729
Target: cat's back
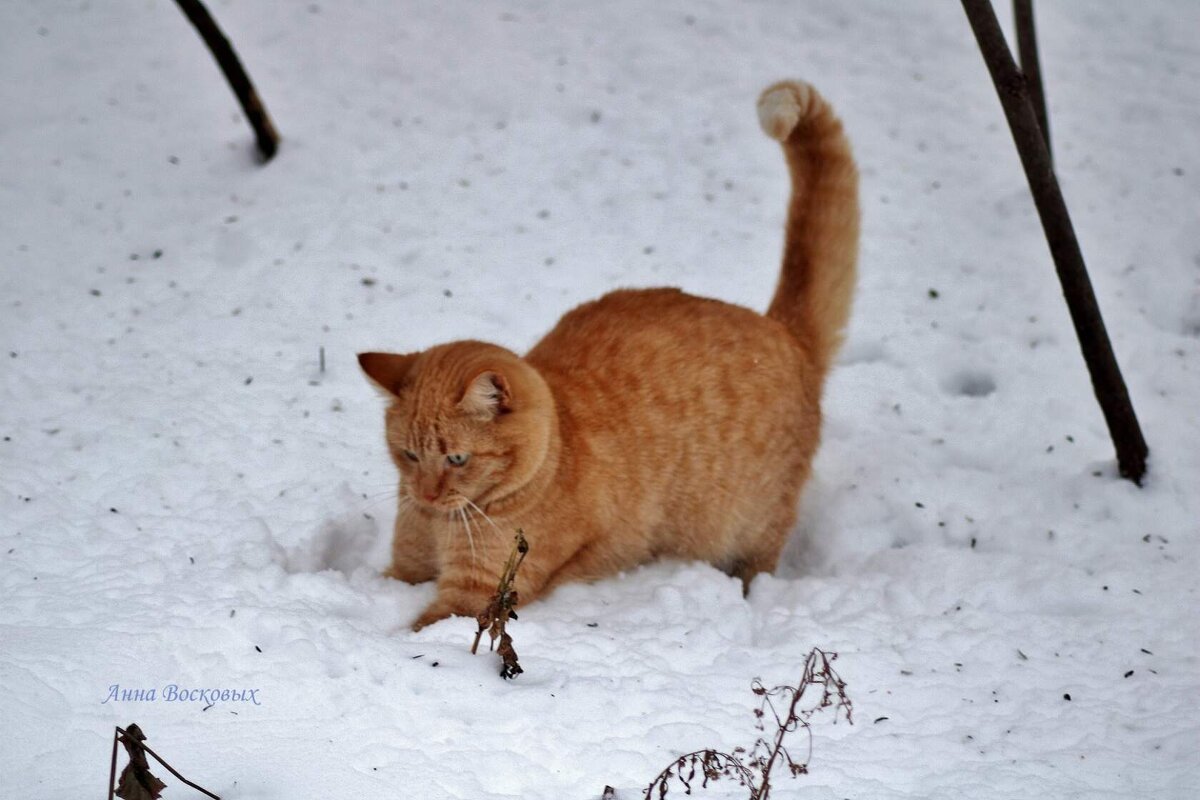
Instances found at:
x=677 y=353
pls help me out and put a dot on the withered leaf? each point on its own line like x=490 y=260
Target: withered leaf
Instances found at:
x=137 y=782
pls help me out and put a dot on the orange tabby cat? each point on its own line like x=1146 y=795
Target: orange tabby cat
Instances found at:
x=648 y=423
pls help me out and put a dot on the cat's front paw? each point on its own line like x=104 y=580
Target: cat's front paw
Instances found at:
x=409 y=573
x=457 y=602
x=427 y=618
x=436 y=612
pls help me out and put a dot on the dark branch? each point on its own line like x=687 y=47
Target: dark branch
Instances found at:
x=1107 y=381
x=239 y=81
x=1031 y=65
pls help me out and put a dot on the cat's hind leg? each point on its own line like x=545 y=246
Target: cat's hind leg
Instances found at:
x=759 y=551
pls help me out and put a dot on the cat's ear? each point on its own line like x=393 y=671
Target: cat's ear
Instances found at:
x=388 y=371
x=487 y=395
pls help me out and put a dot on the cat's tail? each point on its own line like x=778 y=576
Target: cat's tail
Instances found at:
x=820 y=251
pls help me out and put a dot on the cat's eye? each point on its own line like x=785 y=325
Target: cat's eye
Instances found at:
x=410 y=455
x=457 y=459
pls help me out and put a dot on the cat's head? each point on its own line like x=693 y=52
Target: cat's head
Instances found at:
x=467 y=421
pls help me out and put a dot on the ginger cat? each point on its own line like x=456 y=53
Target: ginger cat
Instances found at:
x=648 y=423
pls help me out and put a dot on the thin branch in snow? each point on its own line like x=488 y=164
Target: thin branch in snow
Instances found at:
x=501 y=609
x=256 y=113
x=753 y=769
x=1107 y=381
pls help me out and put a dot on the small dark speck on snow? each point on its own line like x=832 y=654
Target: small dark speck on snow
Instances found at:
x=248 y=380
x=1022 y=655
x=933 y=294
x=879 y=720
x=1129 y=673
x=447 y=293
x=368 y=281
x=191 y=559
x=113 y=511
x=95 y=292
x=1067 y=697
x=257 y=648
x=920 y=504
x=1147 y=652
x=434 y=664
x=593 y=624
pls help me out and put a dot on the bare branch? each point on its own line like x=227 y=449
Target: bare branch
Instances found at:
x=256 y=113
x=1107 y=381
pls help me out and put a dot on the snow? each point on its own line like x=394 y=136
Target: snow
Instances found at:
x=189 y=500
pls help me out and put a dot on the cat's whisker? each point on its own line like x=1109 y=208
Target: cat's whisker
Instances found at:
x=393 y=492
x=494 y=537
x=483 y=514
x=468 y=516
x=470 y=538
x=371 y=505
x=383 y=488
x=486 y=540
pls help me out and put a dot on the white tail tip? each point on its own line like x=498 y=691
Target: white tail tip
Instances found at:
x=782 y=106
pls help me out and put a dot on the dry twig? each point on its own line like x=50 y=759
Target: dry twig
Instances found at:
x=137 y=782
x=502 y=607
x=753 y=769
x=256 y=113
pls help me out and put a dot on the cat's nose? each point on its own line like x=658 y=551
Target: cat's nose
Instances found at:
x=431 y=496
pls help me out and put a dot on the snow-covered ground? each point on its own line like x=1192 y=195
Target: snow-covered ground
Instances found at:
x=189 y=500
